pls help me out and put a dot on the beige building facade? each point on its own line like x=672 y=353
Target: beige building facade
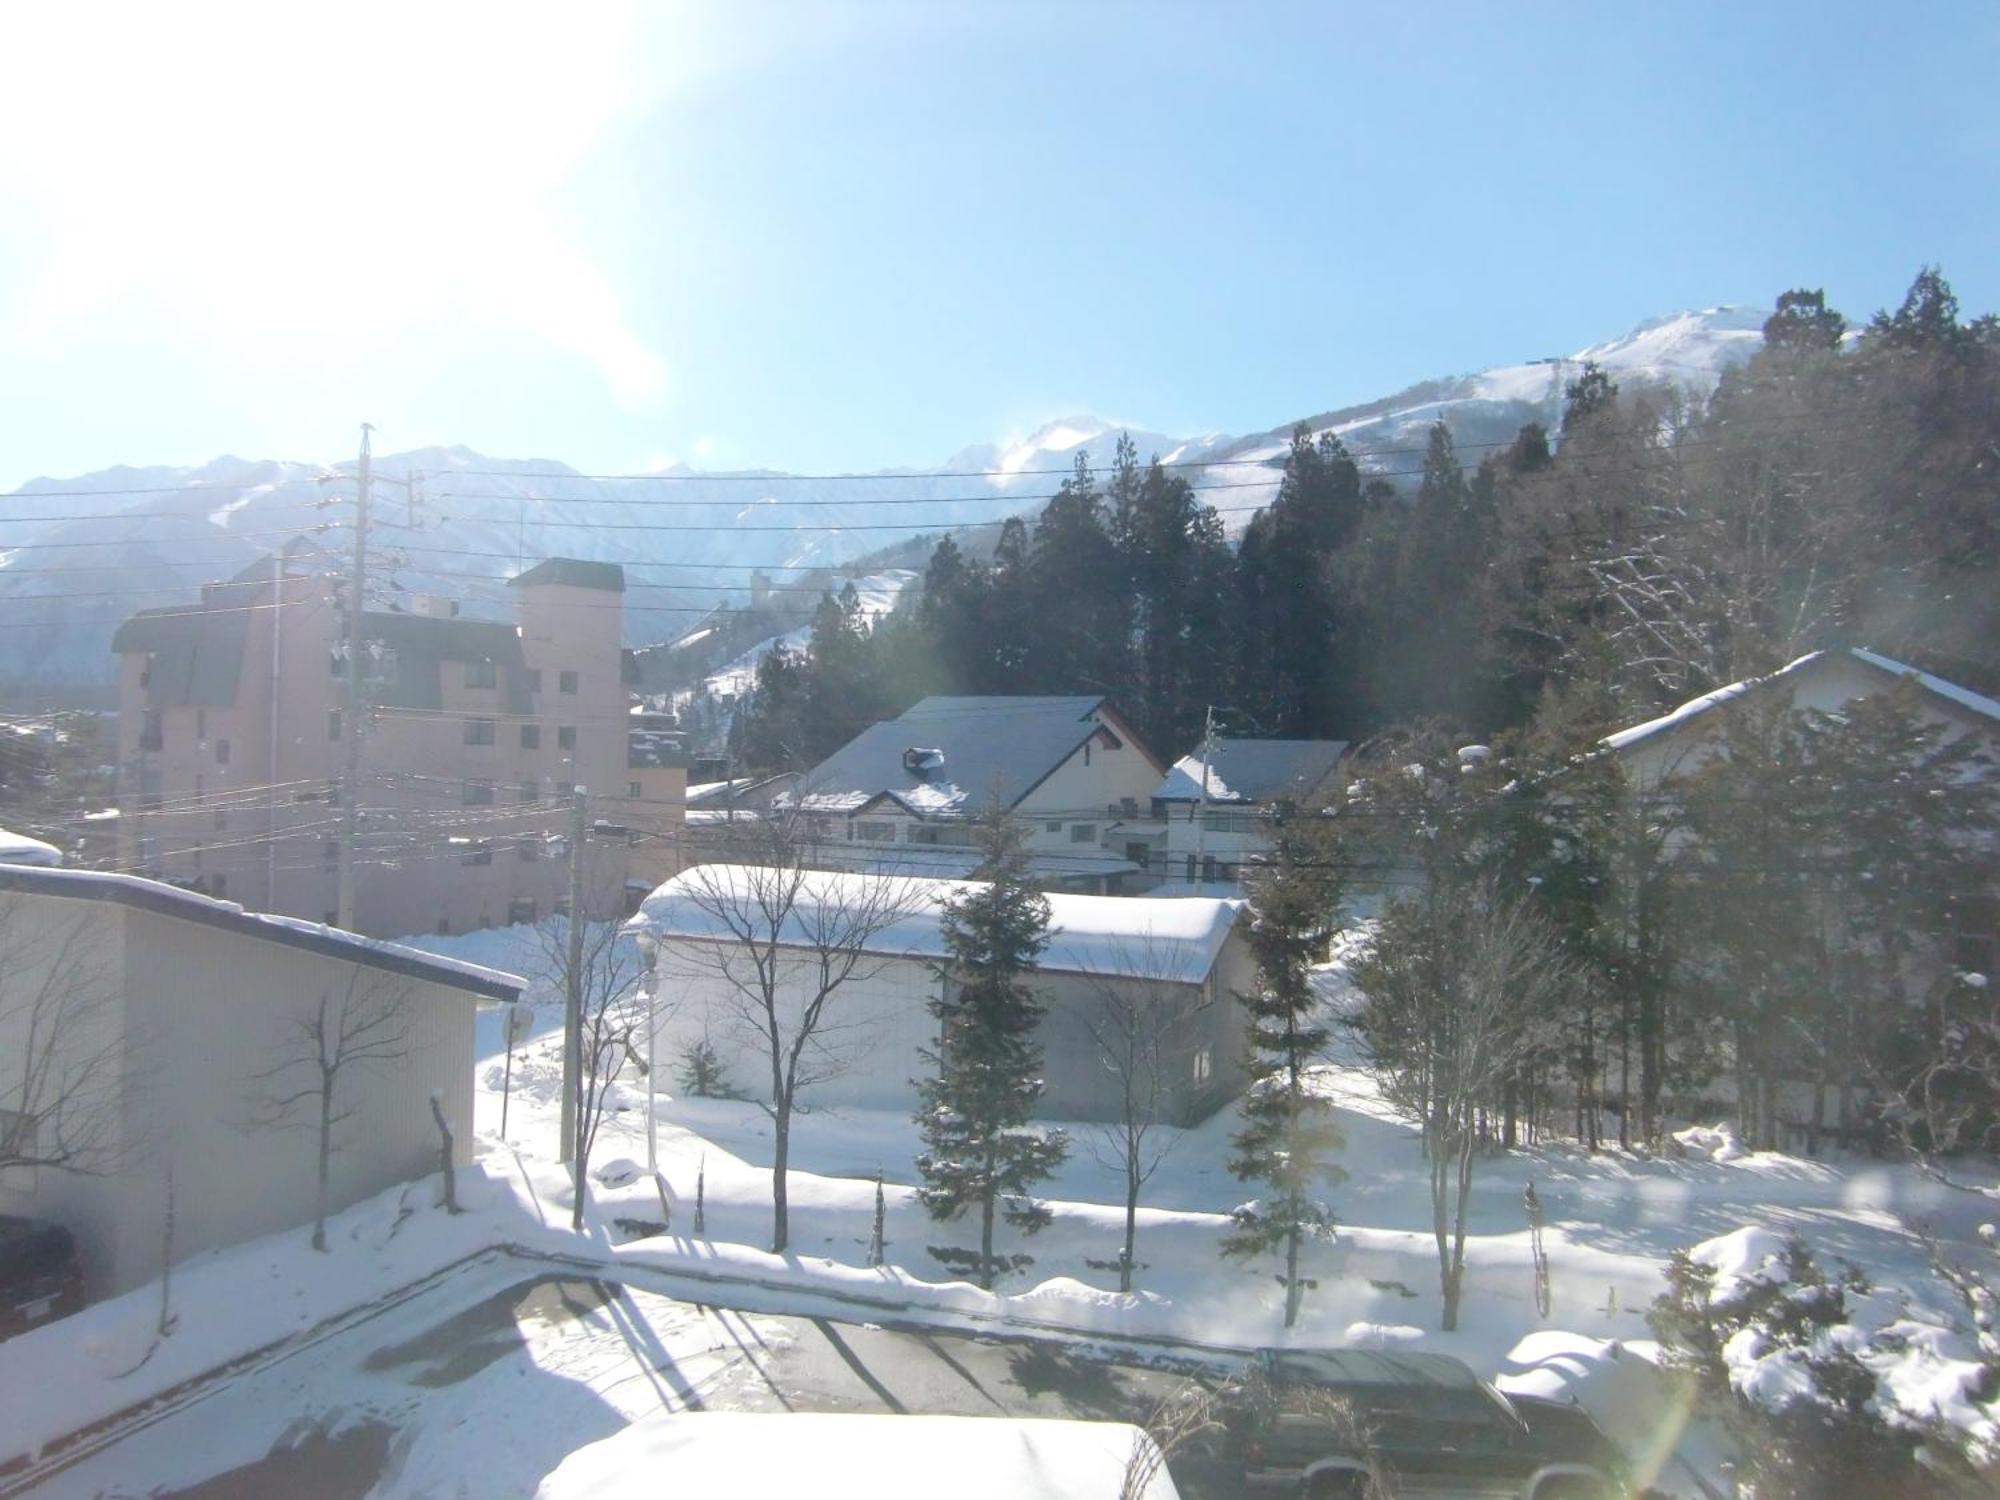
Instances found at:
x=233 y=722
x=176 y=1022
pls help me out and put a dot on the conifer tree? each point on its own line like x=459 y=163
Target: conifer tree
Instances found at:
x=981 y=1154
x=1288 y=1134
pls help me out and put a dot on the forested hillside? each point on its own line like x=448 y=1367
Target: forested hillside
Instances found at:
x=1843 y=485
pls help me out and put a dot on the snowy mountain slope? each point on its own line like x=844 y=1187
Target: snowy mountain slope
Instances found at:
x=1687 y=351
x=79 y=555
x=878 y=594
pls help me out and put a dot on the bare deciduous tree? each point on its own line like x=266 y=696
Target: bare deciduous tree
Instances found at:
x=1452 y=995
x=779 y=944
x=61 y=1040
x=364 y=1026
x=612 y=1012
x=1142 y=1020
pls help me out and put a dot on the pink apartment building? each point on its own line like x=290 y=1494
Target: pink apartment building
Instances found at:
x=232 y=718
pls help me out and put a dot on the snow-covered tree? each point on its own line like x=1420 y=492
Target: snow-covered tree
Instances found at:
x=1288 y=1134
x=981 y=1155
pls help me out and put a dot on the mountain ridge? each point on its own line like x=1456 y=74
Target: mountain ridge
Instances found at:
x=689 y=538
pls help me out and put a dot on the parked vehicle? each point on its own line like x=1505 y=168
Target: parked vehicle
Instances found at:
x=40 y=1275
x=1318 y=1424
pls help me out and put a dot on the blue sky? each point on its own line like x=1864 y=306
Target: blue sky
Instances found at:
x=848 y=236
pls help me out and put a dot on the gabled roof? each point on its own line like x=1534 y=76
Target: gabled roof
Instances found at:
x=974 y=750
x=1891 y=669
x=1177 y=940
x=171 y=901
x=1253 y=771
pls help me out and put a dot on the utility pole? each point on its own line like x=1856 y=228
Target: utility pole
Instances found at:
x=573 y=984
x=351 y=727
x=1201 y=802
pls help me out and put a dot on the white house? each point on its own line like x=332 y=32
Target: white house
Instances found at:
x=705 y=932
x=1212 y=807
x=1681 y=741
x=901 y=795
x=168 y=1026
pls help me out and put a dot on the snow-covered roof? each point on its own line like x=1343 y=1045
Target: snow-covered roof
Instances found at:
x=19 y=849
x=886 y=1457
x=1253 y=771
x=1132 y=936
x=172 y=901
x=1964 y=697
x=1694 y=708
x=953 y=754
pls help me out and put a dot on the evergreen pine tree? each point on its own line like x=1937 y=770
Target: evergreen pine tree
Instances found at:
x=1288 y=1133
x=1803 y=324
x=981 y=1155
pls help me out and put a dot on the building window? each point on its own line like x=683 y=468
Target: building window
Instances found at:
x=329 y=852
x=872 y=832
x=201 y=723
x=528 y=791
x=222 y=752
x=444 y=927
x=1228 y=822
x=478 y=794
x=531 y=736
x=1190 y=868
x=1054 y=825
x=634 y=790
x=566 y=682
x=478 y=731
x=333 y=723
x=530 y=850
x=218 y=884
x=521 y=909
x=221 y=821
x=1203 y=1063
x=566 y=737
x=153 y=732
x=1208 y=867
x=1083 y=833
x=482 y=674
x=478 y=854
x=565 y=788
x=534 y=676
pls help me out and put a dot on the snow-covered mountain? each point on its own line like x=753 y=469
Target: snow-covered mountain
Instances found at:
x=1686 y=350
x=79 y=555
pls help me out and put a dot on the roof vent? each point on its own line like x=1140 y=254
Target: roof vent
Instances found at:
x=919 y=761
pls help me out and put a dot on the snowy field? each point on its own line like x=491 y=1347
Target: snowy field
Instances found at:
x=1612 y=1220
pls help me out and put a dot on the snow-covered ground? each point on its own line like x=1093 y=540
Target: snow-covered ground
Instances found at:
x=1612 y=1220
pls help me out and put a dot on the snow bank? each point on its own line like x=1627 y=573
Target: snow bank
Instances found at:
x=891 y=1458
x=1716 y=1142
